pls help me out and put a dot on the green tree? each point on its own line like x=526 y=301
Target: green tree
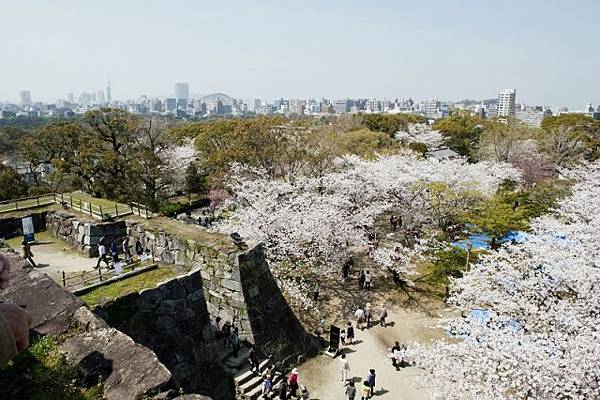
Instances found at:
x=497 y=217
x=106 y=153
x=570 y=137
x=195 y=183
x=390 y=123
x=368 y=144
x=461 y=133
x=11 y=186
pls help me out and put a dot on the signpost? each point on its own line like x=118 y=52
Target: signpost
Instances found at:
x=334 y=341
x=28 y=230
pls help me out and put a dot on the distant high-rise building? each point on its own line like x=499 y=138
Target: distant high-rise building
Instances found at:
x=182 y=92
x=170 y=104
x=71 y=98
x=341 y=106
x=25 y=96
x=507 y=100
x=297 y=106
x=108 y=92
x=100 y=97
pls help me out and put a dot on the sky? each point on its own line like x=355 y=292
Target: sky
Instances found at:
x=446 y=49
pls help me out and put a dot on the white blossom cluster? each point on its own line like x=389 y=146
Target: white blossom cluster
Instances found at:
x=421 y=133
x=312 y=221
x=540 y=339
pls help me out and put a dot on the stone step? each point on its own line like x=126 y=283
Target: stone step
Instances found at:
x=240 y=361
x=248 y=375
x=257 y=391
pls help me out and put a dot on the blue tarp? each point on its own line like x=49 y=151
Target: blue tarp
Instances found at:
x=481 y=241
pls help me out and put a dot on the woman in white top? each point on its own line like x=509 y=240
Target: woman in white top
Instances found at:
x=345 y=367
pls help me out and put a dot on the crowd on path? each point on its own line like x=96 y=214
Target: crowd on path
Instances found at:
x=125 y=247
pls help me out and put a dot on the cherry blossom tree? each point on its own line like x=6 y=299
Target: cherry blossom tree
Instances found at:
x=310 y=222
x=538 y=337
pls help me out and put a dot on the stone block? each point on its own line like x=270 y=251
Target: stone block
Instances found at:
x=192 y=281
x=231 y=284
x=173 y=290
x=164 y=323
x=149 y=299
x=171 y=307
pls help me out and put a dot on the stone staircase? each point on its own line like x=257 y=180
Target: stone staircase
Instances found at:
x=249 y=384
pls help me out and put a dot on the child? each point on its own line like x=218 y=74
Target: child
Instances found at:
x=343 y=337
x=365 y=391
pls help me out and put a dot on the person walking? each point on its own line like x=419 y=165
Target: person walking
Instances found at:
x=293 y=382
x=361 y=280
x=368 y=280
x=226 y=331
x=234 y=341
x=114 y=250
x=283 y=390
x=365 y=390
x=253 y=359
x=349 y=333
x=382 y=315
x=126 y=249
x=345 y=367
x=359 y=314
x=102 y=256
x=267 y=386
x=316 y=291
x=368 y=314
x=393 y=222
x=395 y=353
x=371 y=381
x=27 y=254
x=350 y=391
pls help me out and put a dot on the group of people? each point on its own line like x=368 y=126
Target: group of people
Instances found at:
x=365 y=280
x=228 y=334
x=368 y=386
x=103 y=247
x=364 y=316
x=395 y=222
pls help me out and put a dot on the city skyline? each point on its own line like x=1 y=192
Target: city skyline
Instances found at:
x=426 y=51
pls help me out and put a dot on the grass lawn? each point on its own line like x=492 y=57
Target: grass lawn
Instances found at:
x=192 y=232
x=130 y=285
x=11 y=207
x=83 y=200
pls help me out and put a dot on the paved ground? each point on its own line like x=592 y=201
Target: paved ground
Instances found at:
x=322 y=375
x=52 y=257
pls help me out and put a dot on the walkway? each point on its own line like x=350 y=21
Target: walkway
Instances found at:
x=322 y=375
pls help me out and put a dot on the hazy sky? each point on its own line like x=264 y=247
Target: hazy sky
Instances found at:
x=548 y=50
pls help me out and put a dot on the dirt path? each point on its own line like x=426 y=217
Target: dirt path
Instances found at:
x=322 y=375
x=52 y=257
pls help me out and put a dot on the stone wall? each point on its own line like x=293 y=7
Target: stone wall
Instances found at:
x=219 y=270
x=81 y=234
x=12 y=227
x=172 y=320
x=127 y=369
x=275 y=328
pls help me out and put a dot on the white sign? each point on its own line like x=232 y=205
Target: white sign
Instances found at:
x=28 y=231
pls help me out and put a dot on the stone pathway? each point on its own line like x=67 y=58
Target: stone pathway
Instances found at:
x=322 y=375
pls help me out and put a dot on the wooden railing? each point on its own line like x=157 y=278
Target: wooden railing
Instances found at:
x=88 y=278
x=98 y=211
x=26 y=202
